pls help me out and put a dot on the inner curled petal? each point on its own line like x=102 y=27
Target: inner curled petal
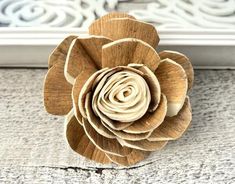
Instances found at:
x=122 y=96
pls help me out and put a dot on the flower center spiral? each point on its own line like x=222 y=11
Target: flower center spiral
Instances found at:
x=121 y=96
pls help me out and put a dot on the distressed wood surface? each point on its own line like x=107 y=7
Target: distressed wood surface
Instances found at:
x=33 y=146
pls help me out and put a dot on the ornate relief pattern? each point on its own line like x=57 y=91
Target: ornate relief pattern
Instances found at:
x=168 y=14
x=189 y=13
x=61 y=13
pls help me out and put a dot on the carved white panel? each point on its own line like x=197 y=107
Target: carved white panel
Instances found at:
x=180 y=14
x=168 y=14
x=52 y=13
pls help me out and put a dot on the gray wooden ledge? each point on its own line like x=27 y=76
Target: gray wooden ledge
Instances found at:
x=33 y=149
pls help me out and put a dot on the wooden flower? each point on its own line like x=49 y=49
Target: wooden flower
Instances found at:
x=122 y=99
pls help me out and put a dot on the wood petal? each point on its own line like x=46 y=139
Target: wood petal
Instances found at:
x=153 y=84
x=111 y=146
x=173 y=127
x=77 y=60
x=78 y=84
x=115 y=125
x=95 y=121
x=119 y=28
x=93 y=46
x=80 y=143
x=183 y=61
x=60 y=52
x=149 y=121
x=86 y=88
x=134 y=157
x=96 y=27
x=144 y=145
x=57 y=91
x=128 y=136
x=174 y=85
x=129 y=50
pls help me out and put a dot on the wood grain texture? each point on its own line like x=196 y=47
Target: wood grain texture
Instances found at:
x=60 y=52
x=149 y=121
x=57 y=91
x=183 y=61
x=96 y=27
x=77 y=61
x=174 y=85
x=129 y=28
x=80 y=143
x=174 y=127
x=33 y=146
x=129 y=50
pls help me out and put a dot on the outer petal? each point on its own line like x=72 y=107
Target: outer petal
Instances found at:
x=183 y=61
x=111 y=146
x=173 y=127
x=84 y=53
x=144 y=145
x=80 y=143
x=174 y=85
x=57 y=91
x=149 y=121
x=93 y=46
x=129 y=50
x=119 y=28
x=78 y=84
x=60 y=52
x=131 y=159
x=96 y=27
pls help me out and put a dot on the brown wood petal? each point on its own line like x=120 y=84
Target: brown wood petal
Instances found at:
x=174 y=84
x=134 y=157
x=78 y=84
x=77 y=60
x=149 y=121
x=57 y=91
x=60 y=52
x=119 y=28
x=111 y=146
x=86 y=88
x=128 y=136
x=96 y=27
x=183 y=61
x=129 y=50
x=93 y=46
x=115 y=125
x=95 y=121
x=80 y=143
x=144 y=145
x=173 y=127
